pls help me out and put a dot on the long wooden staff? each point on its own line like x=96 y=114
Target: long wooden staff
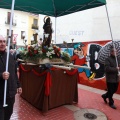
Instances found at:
x=78 y=66
x=56 y=66
x=62 y=67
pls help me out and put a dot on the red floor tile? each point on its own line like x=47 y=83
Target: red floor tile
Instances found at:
x=24 y=111
x=92 y=100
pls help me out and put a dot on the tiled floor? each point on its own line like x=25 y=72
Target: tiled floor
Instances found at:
x=89 y=98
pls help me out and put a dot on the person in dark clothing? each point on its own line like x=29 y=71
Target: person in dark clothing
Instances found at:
x=13 y=84
x=18 y=56
x=112 y=79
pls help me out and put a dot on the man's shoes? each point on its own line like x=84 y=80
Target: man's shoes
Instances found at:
x=113 y=106
x=104 y=99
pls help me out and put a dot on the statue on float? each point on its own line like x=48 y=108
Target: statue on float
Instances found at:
x=47 y=31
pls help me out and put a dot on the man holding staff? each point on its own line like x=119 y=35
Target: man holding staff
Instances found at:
x=13 y=85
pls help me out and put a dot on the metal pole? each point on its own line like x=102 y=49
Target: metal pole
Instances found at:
x=55 y=30
x=111 y=34
x=109 y=22
x=7 y=60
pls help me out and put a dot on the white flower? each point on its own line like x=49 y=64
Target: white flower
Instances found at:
x=36 y=48
x=52 y=52
x=25 y=52
x=40 y=52
x=33 y=45
x=48 y=53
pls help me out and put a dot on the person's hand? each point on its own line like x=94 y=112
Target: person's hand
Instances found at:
x=118 y=68
x=19 y=90
x=5 y=75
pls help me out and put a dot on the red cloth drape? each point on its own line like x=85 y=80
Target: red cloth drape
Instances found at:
x=39 y=74
x=21 y=67
x=48 y=81
x=73 y=72
x=48 y=84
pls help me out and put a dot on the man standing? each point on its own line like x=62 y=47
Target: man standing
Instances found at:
x=112 y=81
x=13 y=85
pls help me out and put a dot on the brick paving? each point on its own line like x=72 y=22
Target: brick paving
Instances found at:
x=89 y=98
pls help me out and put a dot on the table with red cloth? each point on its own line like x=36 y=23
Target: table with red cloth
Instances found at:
x=47 y=89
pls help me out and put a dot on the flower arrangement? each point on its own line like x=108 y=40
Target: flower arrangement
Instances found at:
x=35 y=52
x=44 y=50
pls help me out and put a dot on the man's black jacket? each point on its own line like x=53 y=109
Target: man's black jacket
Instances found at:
x=12 y=82
x=111 y=70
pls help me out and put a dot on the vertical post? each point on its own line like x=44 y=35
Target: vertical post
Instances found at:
x=55 y=30
x=111 y=33
x=109 y=22
x=7 y=60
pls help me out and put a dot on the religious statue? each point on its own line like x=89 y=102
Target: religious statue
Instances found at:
x=47 y=31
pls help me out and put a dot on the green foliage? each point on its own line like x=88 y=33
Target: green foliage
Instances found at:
x=35 y=52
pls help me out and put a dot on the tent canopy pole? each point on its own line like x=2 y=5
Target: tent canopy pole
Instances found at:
x=111 y=33
x=55 y=29
x=109 y=22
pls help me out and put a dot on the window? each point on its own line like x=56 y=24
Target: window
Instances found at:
x=35 y=37
x=22 y=37
x=8 y=17
x=35 y=22
x=11 y=35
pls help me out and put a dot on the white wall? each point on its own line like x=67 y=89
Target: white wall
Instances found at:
x=88 y=25
x=21 y=21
